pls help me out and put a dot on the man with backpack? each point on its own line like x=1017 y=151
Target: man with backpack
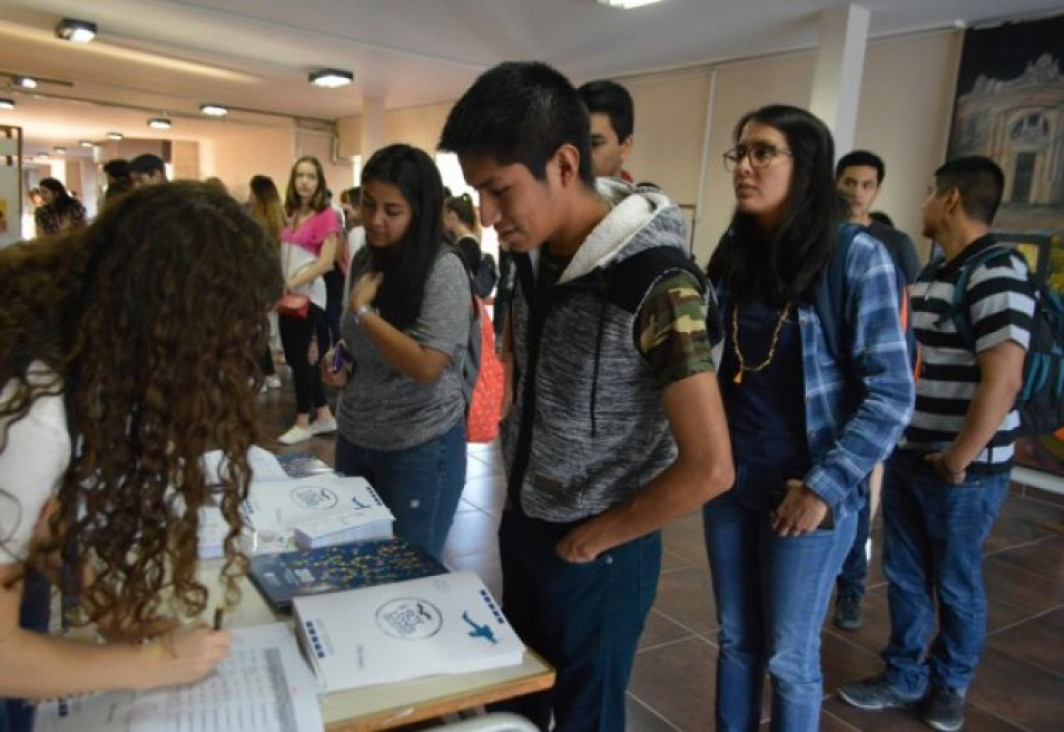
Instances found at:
x=946 y=482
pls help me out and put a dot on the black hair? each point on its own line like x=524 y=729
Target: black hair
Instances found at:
x=462 y=207
x=63 y=204
x=117 y=168
x=520 y=112
x=147 y=164
x=882 y=218
x=979 y=181
x=603 y=96
x=406 y=267
x=781 y=266
x=861 y=158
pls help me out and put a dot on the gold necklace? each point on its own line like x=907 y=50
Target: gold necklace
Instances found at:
x=771 y=348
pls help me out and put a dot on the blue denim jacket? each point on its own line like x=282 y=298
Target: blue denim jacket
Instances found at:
x=846 y=440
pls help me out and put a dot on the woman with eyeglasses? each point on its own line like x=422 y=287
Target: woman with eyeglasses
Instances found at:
x=806 y=425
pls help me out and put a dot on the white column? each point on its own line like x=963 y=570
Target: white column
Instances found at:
x=839 y=66
x=372 y=137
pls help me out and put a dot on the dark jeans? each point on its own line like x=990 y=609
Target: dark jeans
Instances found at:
x=772 y=595
x=851 y=580
x=17 y=715
x=585 y=619
x=932 y=548
x=334 y=305
x=421 y=485
x=296 y=334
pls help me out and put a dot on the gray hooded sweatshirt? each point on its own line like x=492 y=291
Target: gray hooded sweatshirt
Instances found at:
x=588 y=428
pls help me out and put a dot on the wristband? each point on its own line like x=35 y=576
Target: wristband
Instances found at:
x=362 y=311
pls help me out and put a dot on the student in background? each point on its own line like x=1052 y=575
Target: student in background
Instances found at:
x=60 y=211
x=308 y=249
x=460 y=221
x=118 y=180
x=802 y=444
x=612 y=123
x=265 y=206
x=124 y=356
x=859 y=177
x=405 y=329
x=616 y=428
x=147 y=170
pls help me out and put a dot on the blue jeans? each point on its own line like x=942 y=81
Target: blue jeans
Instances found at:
x=421 y=485
x=17 y=715
x=932 y=546
x=851 y=580
x=772 y=595
x=585 y=619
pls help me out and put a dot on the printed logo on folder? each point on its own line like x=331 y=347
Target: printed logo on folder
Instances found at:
x=444 y=624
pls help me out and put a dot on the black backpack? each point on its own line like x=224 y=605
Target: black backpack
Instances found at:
x=1041 y=399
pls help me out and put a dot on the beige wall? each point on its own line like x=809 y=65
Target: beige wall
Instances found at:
x=904 y=117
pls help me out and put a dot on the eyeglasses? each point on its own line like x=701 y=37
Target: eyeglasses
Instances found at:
x=760 y=155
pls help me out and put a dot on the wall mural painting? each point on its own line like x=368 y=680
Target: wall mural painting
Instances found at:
x=1010 y=107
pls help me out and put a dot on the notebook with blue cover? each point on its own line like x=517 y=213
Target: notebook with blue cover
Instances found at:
x=281 y=577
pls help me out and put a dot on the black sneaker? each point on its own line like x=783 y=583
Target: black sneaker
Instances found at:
x=875 y=693
x=847 y=611
x=943 y=709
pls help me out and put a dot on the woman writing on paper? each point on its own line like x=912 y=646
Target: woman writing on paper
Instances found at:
x=124 y=354
x=308 y=247
x=406 y=328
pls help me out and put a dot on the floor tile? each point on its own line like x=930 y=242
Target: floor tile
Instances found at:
x=1039 y=642
x=1024 y=694
x=685 y=597
x=676 y=680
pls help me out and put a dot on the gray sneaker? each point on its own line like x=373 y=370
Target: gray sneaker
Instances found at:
x=847 y=611
x=943 y=709
x=875 y=693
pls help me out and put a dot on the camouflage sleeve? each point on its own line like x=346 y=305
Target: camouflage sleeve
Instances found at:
x=671 y=330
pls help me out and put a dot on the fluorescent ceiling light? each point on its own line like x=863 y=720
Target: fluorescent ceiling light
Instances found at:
x=159 y=123
x=76 y=31
x=213 y=110
x=85 y=143
x=627 y=4
x=59 y=150
x=114 y=135
x=7 y=103
x=331 y=78
x=26 y=82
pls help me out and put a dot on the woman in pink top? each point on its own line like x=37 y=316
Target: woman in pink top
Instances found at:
x=308 y=247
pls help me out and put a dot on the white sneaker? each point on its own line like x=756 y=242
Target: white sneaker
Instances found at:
x=323 y=426
x=295 y=435
x=273 y=381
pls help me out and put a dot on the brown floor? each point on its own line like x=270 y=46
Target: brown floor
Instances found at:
x=1020 y=683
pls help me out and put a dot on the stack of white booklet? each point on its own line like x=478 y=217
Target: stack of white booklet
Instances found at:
x=264 y=685
x=446 y=624
x=319 y=510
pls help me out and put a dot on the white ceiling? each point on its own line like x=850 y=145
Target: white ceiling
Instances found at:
x=166 y=57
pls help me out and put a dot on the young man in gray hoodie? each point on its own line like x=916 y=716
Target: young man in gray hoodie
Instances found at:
x=616 y=427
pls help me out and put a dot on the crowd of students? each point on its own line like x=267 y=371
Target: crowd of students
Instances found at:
x=131 y=346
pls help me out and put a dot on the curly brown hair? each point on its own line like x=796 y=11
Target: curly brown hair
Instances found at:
x=150 y=320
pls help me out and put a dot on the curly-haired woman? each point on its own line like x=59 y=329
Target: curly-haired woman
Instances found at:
x=125 y=350
x=60 y=211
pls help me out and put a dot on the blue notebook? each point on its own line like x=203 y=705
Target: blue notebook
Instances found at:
x=281 y=577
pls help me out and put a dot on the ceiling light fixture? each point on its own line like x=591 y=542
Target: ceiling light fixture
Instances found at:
x=7 y=103
x=85 y=143
x=59 y=150
x=159 y=123
x=627 y=4
x=213 y=110
x=114 y=135
x=330 y=78
x=76 y=31
x=26 y=82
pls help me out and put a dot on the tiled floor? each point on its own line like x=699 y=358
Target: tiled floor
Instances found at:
x=1020 y=683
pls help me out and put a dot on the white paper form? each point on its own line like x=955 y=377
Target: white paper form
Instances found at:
x=263 y=686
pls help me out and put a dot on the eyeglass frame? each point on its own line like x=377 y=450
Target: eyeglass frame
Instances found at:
x=732 y=158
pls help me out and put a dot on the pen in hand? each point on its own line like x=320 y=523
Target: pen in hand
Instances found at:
x=219 y=611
